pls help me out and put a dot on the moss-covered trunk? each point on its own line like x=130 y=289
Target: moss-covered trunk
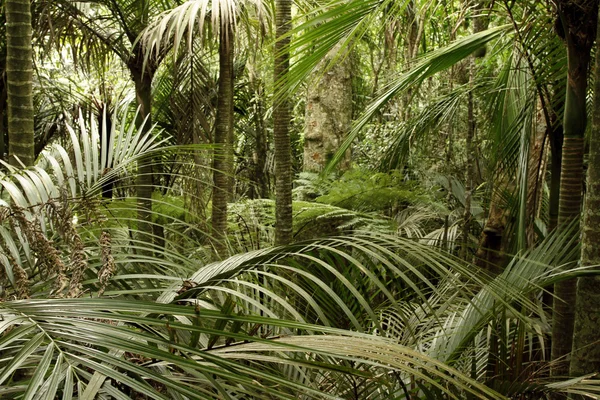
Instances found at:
x=586 y=339
x=328 y=113
x=19 y=74
x=223 y=154
x=281 y=134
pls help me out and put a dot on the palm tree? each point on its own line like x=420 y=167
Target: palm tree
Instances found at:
x=585 y=358
x=223 y=156
x=341 y=317
x=19 y=75
x=281 y=121
x=578 y=22
x=171 y=26
x=113 y=27
x=366 y=316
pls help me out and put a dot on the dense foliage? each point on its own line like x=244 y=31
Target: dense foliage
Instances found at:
x=146 y=253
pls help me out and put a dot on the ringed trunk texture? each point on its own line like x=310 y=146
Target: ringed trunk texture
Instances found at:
x=585 y=358
x=328 y=114
x=579 y=36
x=223 y=154
x=19 y=74
x=281 y=123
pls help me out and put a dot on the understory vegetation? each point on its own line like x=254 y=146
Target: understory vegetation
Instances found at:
x=345 y=199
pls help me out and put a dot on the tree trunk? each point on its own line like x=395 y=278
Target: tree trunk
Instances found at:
x=223 y=154
x=469 y=176
x=144 y=184
x=479 y=25
x=19 y=73
x=579 y=36
x=556 y=143
x=281 y=123
x=328 y=114
x=586 y=340
x=260 y=185
x=3 y=106
x=536 y=173
x=105 y=131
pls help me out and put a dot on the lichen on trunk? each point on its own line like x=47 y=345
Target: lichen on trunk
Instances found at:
x=328 y=112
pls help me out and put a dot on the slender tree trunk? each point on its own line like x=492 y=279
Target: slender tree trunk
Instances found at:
x=579 y=35
x=556 y=143
x=261 y=178
x=586 y=340
x=105 y=131
x=479 y=24
x=536 y=173
x=144 y=185
x=19 y=73
x=469 y=176
x=3 y=106
x=223 y=154
x=281 y=122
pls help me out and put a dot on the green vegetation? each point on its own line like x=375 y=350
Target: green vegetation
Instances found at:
x=328 y=199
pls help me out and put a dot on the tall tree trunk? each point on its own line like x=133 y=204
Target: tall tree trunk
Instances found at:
x=536 y=173
x=281 y=122
x=223 y=154
x=3 y=106
x=105 y=130
x=142 y=78
x=261 y=178
x=556 y=143
x=579 y=22
x=479 y=24
x=586 y=340
x=470 y=173
x=144 y=185
x=328 y=114
x=19 y=73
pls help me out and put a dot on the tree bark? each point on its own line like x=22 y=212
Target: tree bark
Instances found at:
x=223 y=153
x=260 y=176
x=586 y=340
x=556 y=143
x=328 y=114
x=480 y=24
x=142 y=78
x=469 y=176
x=19 y=73
x=281 y=122
x=579 y=35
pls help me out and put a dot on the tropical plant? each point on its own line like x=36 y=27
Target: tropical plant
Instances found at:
x=423 y=272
